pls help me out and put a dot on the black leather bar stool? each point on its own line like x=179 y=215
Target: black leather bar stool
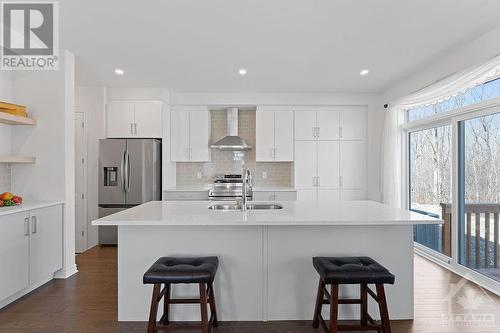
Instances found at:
x=351 y=270
x=174 y=270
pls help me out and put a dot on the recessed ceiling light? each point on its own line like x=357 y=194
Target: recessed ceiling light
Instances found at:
x=364 y=72
x=119 y=71
x=242 y=71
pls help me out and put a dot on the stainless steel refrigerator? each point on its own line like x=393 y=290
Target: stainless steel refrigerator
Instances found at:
x=129 y=174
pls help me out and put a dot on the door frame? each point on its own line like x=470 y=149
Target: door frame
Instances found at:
x=85 y=189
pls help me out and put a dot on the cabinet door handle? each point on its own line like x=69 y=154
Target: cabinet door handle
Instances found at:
x=131 y=129
x=135 y=128
x=33 y=225
x=340 y=131
x=26 y=226
x=317 y=132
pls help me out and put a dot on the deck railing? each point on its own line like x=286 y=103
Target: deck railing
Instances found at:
x=480 y=252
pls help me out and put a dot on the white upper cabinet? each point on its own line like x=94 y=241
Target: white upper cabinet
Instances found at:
x=199 y=135
x=190 y=134
x=352 y=125
x=134 y=119
x=119 y=119
x=264 y=136
x=327 y=125
x=148 y=119
x=179 y=135
x=305 y=125
x=274 y=136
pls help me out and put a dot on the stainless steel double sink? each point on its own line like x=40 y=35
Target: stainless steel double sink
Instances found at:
x=250 y=206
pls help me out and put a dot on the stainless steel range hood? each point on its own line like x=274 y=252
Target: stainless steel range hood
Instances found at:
x=231 y=141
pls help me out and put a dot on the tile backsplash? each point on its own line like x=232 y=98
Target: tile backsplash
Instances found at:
x=279 y=174
x=5 y=177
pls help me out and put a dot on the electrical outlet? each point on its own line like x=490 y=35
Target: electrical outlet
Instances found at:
x=264 y=175
x=198 y=175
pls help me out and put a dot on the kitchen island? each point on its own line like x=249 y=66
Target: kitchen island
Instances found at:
x=265 y=271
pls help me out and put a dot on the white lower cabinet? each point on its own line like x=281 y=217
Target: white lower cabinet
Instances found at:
x=307 y=195
x=328 y=195
x=31 y=249
x=45 y=242
x=14 y=253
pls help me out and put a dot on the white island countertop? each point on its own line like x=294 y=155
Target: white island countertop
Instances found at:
x=184 y=213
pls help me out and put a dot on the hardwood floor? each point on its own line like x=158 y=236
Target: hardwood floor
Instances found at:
x=86 y=303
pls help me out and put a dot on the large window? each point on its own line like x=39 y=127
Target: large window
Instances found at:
x=480 y=199
x=454 y=174
x=430 y=183
x=489 y=90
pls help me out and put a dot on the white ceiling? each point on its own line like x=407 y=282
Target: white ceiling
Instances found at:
x=286 y=45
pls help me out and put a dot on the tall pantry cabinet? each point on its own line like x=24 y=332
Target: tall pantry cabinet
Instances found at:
x=330 y=153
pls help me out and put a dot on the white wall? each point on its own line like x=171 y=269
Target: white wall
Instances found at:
x=371 y=101
x=49 y=96
x=91 y=101
x=6 y=95
x=475 y=52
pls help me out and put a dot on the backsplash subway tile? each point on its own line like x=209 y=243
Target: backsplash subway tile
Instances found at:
x=279 y=174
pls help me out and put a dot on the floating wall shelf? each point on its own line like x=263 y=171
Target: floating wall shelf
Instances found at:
x=17 y=159
x=10 y=119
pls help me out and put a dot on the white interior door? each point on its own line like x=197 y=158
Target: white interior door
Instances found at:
x=328 y=164
x=80 y=184
x=328 y=125
x=264 y=136
x=119 y=119
x=305 y=164
x=283 y=136
x=305 y=125
x=352 y=125
x=179 y=135
x=148 y=119
x=353 y=164
x=199 y=135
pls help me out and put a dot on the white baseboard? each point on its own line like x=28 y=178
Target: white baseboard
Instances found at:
x=66 y=272
x=24 y=291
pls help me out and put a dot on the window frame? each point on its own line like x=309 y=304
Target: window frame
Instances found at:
x=454 y=118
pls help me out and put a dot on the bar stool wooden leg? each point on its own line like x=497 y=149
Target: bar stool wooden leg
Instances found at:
x=319 y=303
x=203 y=308
x=364 y=304
x=166 y=305
x=213 y=309
x=334 y=307
x=382 y=305
x=154 y=308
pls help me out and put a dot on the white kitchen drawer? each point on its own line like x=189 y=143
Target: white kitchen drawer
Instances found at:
x=185 y=195
x=275 y=195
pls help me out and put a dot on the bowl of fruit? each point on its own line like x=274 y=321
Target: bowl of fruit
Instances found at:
x=9 y=199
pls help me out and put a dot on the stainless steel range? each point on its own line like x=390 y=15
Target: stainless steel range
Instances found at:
x=229 y=187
